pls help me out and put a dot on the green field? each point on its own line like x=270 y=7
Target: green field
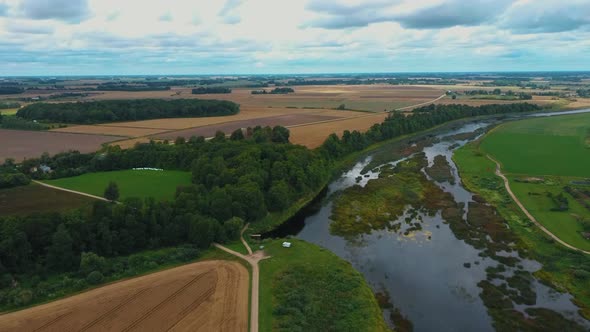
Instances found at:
x=9 y=111
x=554 y=150
x=542 y=146
x=308 y=288
x=565 y=269
x=142 y=184
x=38 y=199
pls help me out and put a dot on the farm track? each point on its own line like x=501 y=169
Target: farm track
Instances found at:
x=527 y=213
x=72 y=191
x=252 y=259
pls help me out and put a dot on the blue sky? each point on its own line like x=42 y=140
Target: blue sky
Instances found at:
x=87 y=37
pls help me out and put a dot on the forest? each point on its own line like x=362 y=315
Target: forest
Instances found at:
x=210 y=89
x=234 y=180
x=126 y=110
x=275 y=91
x=10 y=90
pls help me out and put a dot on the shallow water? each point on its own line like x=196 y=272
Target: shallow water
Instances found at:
x=424 y=272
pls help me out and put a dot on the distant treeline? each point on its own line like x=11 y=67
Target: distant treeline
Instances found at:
x=13 y=122
x=10 y=90
x=275 y=91
x=126 y=110
x=210 y=89
x=131 y=87
x=499 y=92
x=8 y=104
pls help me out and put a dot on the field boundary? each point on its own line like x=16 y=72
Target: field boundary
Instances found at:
x=527 y=213
x=72 y=191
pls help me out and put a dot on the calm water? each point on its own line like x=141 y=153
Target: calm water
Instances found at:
x=424 y=272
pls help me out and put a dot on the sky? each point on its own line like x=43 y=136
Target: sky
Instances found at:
x=159 y=37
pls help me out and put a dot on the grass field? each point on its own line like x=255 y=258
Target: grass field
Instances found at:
x=142 y=184
x=38 y=199
x=542 y=146
x=9 y=111
x=565 y=269
x=308 y=288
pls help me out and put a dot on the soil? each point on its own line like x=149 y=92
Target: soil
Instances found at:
x=205 y=296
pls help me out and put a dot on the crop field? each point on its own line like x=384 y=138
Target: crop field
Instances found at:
x=228 y=127
x=8 y=111
x=21 y=144
x=542 y=156
x=38 y=199
x=131 y=183
x=109 y=130
x=542 y=146
x=204 y=296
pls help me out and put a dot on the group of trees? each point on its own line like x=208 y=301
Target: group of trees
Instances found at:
x=13 y=122
x=498 y=92
x=275 y=91
x=126 y=110
x=147 y=86
x=11 y=90
x=10 y=176
x=423 y=118
x=8 y=104
x=211 y=89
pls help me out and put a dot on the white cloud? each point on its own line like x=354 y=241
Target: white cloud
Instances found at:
x=284 y=36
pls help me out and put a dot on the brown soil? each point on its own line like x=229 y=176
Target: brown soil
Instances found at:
x=205 y=296
x=229 y=127
x=20 y=144
x=110 y=130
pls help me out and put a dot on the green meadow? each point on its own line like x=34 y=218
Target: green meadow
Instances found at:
x=542 y=146
x=160 y=185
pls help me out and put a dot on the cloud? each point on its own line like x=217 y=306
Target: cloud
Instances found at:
x=548 y=17
x=228 y=12
x=166 y=17
x=454 y=13
x=339 y=15
x=71 y=11
x=28 y=28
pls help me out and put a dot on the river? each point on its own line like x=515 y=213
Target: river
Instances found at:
x=430 y=274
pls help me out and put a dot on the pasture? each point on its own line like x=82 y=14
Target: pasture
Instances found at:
x=21 y=144
x=160 y=185
x=204 y=296
x=551 y=151
x=542 y=146
x=38 y=199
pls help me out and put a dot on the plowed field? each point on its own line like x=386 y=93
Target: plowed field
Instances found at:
x=205 y=296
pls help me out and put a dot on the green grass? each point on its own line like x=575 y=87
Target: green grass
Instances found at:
x=9 y=111
x=542 y=146
x=142 y=184
x=308 y=288
x=34 y=198
x=563 y=224
x=561 y=266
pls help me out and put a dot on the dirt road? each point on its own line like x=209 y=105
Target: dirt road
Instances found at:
x=71 y=191
x=252 y=259
x=526 y=212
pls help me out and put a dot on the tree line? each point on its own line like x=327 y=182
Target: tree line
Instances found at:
x=210 y=90
x=275 y=91
x=126 y=110
x=11 y=90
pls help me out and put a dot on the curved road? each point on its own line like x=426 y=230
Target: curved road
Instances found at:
x=71 y=191
x=526 y=212
x=252 y=259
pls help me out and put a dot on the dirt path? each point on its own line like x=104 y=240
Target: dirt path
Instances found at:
x=422 y=104
x=252 y=259
x=526 y=212
x=72 y=191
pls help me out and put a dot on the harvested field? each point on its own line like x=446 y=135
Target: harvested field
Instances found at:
x=246 y=113
x=205 y=296
x=228 y=127
x=314 y=135
x=20 y=144
x=38 y=199
x=109 y=130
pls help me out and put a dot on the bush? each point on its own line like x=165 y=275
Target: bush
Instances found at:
x=94 y=277
x=581 y=274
